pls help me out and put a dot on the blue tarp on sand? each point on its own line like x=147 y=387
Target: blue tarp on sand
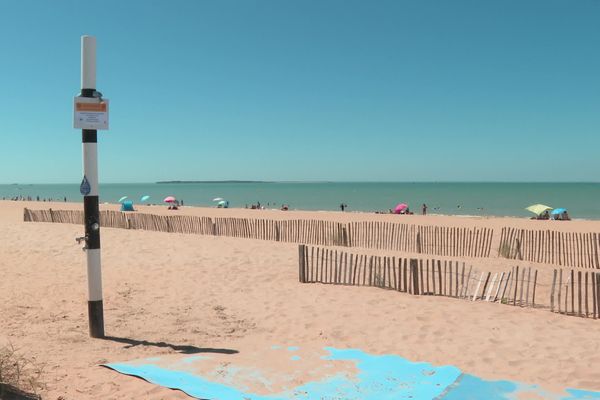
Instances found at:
x=368 y=377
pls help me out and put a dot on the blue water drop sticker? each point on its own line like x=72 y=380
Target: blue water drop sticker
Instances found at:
x=85 y=188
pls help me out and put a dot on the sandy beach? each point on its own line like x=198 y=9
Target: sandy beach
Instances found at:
x=168 y=293
x=324 y=130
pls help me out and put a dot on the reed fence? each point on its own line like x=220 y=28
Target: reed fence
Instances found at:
x=418 y=276
x=551 y=247
x=436 y=240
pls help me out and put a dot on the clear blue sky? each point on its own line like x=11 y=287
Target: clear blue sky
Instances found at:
x=306 y=90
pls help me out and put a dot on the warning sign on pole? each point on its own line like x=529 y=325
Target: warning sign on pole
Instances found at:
x=90 y=113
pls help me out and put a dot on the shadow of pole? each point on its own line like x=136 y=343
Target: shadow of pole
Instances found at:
x=184 y=349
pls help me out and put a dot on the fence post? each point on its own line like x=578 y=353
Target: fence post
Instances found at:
x=559 y=289
x=301 y=263
x=516 y=285
x=485 y=285
x=418 y=242
x=414 y=270
x=552 y=291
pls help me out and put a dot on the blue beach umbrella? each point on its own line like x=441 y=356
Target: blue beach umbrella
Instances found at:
x=127 y=205
x=558 y=211
x=145 y=198
x=122 y=198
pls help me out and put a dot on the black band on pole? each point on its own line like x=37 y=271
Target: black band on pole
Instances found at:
x=91 y=213
x=87 y=92
x=96 y=318
x=89 y=136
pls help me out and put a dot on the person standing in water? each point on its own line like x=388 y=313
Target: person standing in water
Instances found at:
x=424 y=209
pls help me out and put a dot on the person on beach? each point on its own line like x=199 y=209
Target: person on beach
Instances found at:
x=424 y=209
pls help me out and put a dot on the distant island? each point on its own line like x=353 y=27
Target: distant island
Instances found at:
x=213 y=182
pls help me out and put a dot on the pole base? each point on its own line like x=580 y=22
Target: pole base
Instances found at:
x=96 y=318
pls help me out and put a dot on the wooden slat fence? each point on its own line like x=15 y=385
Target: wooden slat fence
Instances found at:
x=468 y=242
x=574 y=249
x=425 y=239
x=542 y=246
x=328 y=233
x=60 y=216
x=417 y=276
x=576 y=293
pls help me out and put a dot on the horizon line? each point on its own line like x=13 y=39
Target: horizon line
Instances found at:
x=291 y=181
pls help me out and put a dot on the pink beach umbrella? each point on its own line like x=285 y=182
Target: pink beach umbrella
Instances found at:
x=400 y=208
x=170 y=199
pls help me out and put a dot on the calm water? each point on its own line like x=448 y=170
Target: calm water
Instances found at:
x=507 y=199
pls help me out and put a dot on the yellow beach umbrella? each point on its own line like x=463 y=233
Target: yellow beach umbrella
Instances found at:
x=537 y=209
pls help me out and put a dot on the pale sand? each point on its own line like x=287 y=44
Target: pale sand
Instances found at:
x=244 y=295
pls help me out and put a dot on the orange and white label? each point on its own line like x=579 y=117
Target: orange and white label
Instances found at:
x=91 y=107
x=90 y=113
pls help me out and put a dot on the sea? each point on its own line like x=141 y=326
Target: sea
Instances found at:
x=582 y=200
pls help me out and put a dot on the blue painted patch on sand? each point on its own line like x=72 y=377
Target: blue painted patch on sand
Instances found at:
x=467 y=386
x=393 y=377
x=364 y=377
x=575 y=394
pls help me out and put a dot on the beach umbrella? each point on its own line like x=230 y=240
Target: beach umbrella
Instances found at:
x=223 y=203
x=218 y=199
x=127 y=206
x=145 y=198
x=400 y=208
x=122 y=198
x=537 y=209
x=558 y=211
x=170 y=199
